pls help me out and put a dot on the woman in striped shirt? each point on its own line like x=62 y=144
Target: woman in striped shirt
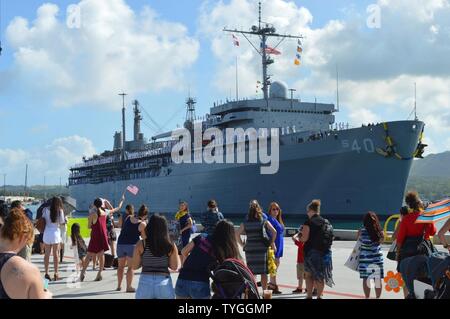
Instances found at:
x=371 y=257
x=156 y=254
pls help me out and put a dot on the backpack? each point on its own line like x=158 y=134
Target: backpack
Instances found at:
x=109 y=260
x=233 y=280
x=40 y=225
x=36 y=248
x=326 y=235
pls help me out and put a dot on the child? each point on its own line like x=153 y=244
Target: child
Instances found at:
x=300 y=263
x=79 y=244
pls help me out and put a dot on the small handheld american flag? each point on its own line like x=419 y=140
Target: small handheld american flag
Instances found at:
x=133 y=189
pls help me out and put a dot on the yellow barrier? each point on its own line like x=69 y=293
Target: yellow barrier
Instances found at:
x=387 y=237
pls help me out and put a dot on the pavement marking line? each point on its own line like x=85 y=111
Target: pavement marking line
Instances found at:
x=341 y=294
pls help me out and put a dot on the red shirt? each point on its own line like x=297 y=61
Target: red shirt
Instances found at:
x=408 y=228
x=300 y=255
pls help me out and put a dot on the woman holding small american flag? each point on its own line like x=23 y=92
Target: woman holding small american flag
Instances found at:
x=99 y=236
x=184 y=218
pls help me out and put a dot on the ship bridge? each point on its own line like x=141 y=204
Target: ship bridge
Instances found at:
x=275 y=112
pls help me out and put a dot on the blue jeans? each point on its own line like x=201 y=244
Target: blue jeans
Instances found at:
x=192 y=289
x=155 y=287
x=413 y=268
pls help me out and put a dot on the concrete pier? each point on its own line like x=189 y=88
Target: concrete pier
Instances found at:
x=348 y=284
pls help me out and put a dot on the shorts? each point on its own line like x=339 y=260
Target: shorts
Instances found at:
x=300 y=271
x=82 y=254
x=152 y=286
x=192 y=289
x=125 y=251
x=314 y=264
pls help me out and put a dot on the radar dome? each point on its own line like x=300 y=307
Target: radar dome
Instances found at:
x=278 y=90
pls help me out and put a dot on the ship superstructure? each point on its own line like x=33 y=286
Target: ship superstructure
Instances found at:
x=353 y=170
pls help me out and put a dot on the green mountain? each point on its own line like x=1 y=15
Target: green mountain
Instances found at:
x=432 y=165
x=431 y=176
x=37 y=191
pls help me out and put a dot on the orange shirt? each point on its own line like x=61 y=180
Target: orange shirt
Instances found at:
x=408 y=228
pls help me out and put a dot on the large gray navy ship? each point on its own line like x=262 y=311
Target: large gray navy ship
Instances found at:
x=352 y=170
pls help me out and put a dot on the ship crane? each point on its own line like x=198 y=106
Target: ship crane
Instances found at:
x=264 y=31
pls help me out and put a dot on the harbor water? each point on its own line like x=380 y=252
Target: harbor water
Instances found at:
x=290 y=221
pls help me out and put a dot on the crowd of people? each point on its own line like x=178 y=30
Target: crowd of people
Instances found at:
x=145 y=243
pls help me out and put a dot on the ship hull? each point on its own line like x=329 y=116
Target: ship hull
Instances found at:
x=344 y=170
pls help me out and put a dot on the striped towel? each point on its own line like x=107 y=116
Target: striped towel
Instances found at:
x=435 y=212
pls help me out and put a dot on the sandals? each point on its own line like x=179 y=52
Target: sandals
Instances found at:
x=298 y=291
x=98 y=278
x=274 y=289
x=56 y=277
x=47 y=276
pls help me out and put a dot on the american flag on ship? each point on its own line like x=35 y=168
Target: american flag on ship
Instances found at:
x=133 y=189
x=270 y=50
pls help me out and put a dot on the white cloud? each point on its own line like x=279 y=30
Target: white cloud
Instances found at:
x=364 y=116
x=378 y=67
x=115 y=49
x=52 y=161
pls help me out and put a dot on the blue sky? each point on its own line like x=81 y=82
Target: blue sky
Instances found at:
x=33 y=127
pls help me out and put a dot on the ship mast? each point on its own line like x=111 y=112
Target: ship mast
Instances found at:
x=190 y=112
x=137 y=120
x=264 y=31
x=123 y=125
x=415 y=102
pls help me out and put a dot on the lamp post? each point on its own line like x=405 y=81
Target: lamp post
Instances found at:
x=4 y=186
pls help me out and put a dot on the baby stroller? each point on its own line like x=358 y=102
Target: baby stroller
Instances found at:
x=427 y=277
